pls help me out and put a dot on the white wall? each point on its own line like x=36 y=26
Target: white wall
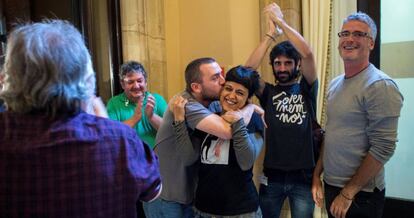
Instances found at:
x=397 y=41
x=397 y=21
x=227 y=30
x=399 y=171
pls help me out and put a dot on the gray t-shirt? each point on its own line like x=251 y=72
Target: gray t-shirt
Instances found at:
x=178 y=177
x=362 y=118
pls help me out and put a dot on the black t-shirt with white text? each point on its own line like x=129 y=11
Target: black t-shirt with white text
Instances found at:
x=223 y=187
x=289 y=135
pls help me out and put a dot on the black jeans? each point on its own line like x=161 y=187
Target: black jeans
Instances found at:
x=364 y=205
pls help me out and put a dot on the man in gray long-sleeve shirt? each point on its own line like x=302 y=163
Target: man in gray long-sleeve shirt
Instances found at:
x=204 y=82
x=363 y=107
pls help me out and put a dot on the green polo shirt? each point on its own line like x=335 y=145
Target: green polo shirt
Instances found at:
x=120 y=108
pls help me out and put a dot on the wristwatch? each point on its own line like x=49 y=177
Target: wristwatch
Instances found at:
x=177 y=122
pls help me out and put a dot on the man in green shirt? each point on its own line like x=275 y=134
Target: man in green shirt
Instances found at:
x=136 y=106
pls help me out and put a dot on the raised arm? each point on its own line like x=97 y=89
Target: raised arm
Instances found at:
x=256 y=57
x=308 y=61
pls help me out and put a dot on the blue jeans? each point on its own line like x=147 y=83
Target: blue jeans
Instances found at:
x=256 y=214
x=160 y=208
x=364 y=205
x=294 y=185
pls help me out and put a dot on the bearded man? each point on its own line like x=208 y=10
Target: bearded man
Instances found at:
x=290 y=106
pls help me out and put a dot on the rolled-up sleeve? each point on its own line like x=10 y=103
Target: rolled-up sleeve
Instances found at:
x=384 y=102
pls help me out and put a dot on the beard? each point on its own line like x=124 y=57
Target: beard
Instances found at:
x=208 y=96
x=287 y=76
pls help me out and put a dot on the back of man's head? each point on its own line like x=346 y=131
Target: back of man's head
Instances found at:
x=193 y=73
x=48 y=69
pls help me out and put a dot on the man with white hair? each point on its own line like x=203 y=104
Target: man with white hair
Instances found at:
x=363 y=107
x=55 y=159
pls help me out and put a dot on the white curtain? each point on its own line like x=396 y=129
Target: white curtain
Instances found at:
x=322 y=20
x=340 y=10
x=316 y=21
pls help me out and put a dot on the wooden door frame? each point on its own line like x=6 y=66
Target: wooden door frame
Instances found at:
x=115 y=38
x=373 y=9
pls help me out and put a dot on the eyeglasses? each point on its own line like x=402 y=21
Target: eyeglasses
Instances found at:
x=356 y=34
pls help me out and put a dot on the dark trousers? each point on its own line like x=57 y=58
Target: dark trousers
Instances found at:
x=294 y=185
x=364 y=205
x=140 y=210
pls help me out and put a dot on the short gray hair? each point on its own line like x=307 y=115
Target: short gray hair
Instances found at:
x=132 y=67
x=48 y=69
x=365 y=18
